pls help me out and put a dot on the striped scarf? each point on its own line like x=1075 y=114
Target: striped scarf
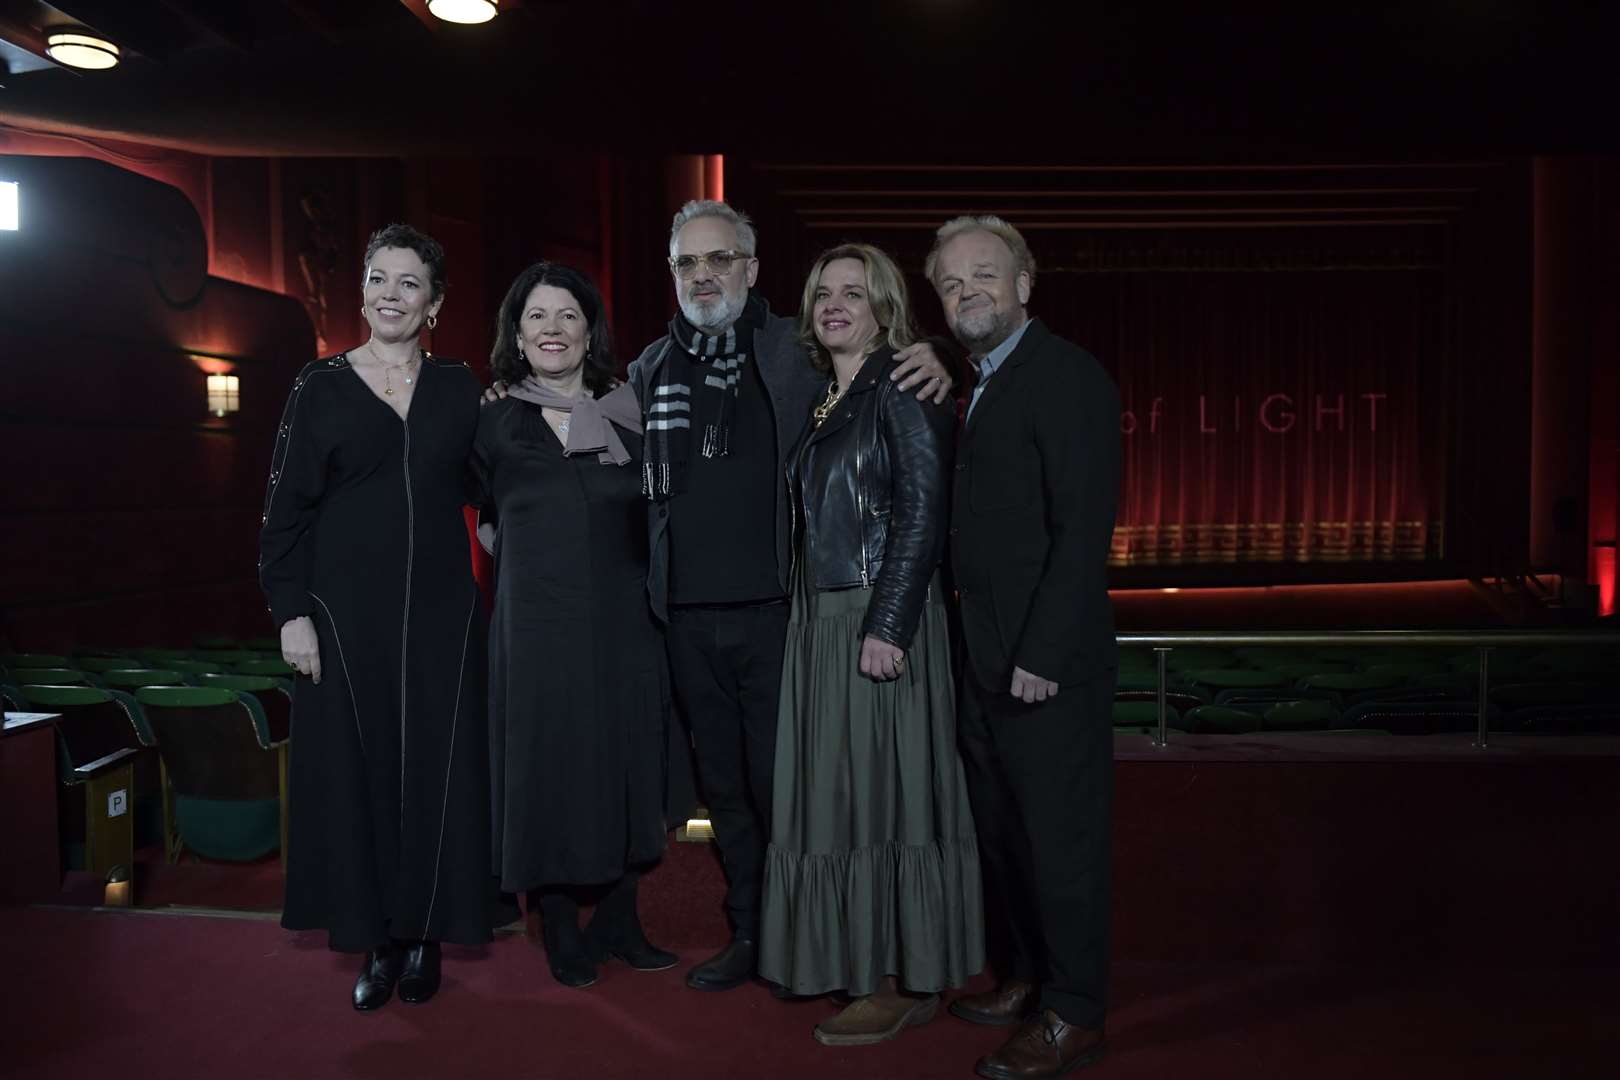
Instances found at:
x=697 y=382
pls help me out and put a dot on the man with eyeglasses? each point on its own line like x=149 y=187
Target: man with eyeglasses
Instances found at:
x=726 y=394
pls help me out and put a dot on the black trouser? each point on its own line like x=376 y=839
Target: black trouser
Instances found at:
x=1041 y=780
x=726 y=666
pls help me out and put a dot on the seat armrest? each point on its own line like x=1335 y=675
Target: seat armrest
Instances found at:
x=114 y=760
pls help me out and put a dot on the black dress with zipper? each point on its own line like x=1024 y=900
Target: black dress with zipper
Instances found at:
x=363 y=531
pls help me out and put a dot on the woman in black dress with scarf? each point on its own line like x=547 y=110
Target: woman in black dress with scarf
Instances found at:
x=578 y=691
x=363 y=559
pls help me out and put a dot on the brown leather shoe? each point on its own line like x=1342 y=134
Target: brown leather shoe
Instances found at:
x=1004 y=1005
x=1044 y=1046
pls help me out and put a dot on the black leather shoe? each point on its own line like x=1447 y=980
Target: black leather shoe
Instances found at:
x=378 y=975
x=730 y=967
x=639 y=953
x=419 y=979
x=568 y=957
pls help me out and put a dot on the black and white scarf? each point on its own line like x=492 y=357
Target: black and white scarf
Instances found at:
x=696 y=387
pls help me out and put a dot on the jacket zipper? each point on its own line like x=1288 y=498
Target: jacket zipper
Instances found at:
x=860 y=512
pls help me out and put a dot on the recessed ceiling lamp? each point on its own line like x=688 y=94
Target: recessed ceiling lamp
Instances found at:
x=81 y=49
x=464 y=11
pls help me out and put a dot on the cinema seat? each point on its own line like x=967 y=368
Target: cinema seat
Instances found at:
x=135 y=678
x=1419 y=717
x=1300 y=716
x=95 y=665
x=1181 y=700
x=101 y=738
x=276 y=669
x=1406 y=670
x=1193 y=657
x=157 y=658
x=1262 y=698
x=1565 y=720
x=33 y=660
x=191 y=669
x=47 y=676
x=1520 y=695
x=1352 y=684
x=1219 y=720
x=1144 y=714
x=226 y=776
x=273 y=695
x=1217 y=679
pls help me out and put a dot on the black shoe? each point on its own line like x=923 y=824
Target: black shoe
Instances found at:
x=419 y=980
x=732 y=966
x=568 y=957
x=642 y=955
x=378 y=975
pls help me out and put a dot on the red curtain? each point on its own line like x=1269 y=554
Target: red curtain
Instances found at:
x=1292 y=415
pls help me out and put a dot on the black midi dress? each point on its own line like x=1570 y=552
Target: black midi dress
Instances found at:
x=579 y=695
x=388 y=781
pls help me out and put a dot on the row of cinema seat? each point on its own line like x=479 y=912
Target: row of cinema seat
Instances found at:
x=1411 y=691
x=201 y=733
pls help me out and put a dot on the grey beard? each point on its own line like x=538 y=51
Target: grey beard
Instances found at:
x=716 y=316
x=982 y=342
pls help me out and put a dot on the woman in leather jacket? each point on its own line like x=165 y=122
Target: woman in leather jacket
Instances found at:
x=872 y=875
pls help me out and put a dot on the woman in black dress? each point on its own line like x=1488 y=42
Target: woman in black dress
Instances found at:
x=578 y=690
x=363 y=559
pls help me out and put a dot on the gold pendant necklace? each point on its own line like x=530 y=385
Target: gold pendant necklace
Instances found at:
x=388 y=383
x=835 y=394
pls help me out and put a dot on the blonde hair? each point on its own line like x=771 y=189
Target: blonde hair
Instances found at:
x=885 y=292
x=1023 y=261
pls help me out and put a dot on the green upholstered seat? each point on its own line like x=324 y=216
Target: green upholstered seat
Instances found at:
x=1144 y=713
x=1300 y=716
x=135 y=678
x=47 y=676
x=1237 y=678
x=95 y=665
x=1220 y=720
x=34 y=660
x=275 y=668
x=226 y=772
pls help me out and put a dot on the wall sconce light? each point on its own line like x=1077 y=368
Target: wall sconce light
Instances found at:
x=81 y=49
x=467 y=12
x=223 y=393
x=10 y=215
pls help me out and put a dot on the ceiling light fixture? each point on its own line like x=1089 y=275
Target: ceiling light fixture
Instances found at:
x=81 y=49
x=467 y=12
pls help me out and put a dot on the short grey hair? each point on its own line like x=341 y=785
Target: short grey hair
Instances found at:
x=701 y=208
x=1023 y=261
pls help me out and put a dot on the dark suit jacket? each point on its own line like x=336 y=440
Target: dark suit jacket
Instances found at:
x=1032 y=515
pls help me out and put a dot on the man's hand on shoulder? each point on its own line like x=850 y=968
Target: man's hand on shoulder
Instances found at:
x=921 y=367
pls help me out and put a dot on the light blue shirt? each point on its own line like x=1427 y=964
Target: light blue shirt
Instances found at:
x=988 y=366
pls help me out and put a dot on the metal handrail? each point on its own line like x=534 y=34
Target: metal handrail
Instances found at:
x=1163 y=642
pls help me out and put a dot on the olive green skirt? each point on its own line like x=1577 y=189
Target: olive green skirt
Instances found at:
x=873 y=866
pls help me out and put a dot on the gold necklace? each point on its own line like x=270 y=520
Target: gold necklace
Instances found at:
x=835 y=394
x=388 y=383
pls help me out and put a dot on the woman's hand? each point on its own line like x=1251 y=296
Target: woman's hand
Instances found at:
x=301 y=647
x=496 y=391
x=881 y=661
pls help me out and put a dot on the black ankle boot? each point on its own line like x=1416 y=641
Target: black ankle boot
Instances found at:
x=378 y=975
x=615 y=930
x=566 y=951
x=731 y=966
x=419 y=977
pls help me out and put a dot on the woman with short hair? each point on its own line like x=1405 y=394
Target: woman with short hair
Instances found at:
x=364 y=563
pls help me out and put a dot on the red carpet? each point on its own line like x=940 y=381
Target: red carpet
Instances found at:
x=140 y=994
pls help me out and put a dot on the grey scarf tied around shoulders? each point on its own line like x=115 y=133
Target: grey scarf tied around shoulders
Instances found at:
x=591 y=419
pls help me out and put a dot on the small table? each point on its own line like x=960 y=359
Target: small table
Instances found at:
x=30 y=859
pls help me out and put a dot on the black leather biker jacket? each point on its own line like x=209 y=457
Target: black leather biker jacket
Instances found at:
x=869 y=496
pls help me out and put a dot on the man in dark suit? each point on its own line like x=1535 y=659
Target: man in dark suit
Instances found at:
x=1037 y=479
